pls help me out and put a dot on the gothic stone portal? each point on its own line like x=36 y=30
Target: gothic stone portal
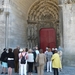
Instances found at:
x=45 y=16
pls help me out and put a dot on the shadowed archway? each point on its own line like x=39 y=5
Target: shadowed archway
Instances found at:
x=42 y=14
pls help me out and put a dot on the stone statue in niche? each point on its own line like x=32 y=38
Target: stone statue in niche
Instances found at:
x=29 y=32
x=46 y=17
x=35 y=32
x=32 y=32
x=1 y=6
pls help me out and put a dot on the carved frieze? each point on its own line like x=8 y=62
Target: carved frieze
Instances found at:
x=68 y=1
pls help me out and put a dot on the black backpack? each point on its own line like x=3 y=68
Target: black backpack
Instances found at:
x=23 y=60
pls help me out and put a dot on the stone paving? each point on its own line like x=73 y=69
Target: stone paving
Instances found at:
x=65 y=71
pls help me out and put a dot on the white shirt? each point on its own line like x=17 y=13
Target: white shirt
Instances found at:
x=37 y=52
x=30 y=57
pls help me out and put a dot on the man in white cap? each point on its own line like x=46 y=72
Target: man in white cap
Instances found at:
x=46 y=50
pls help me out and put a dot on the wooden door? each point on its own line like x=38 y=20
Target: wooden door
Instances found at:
x=47 y=38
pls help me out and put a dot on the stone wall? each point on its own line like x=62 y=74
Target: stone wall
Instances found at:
x=69 y=34
x=2 y=29
x=2 y=32
x=17 y=24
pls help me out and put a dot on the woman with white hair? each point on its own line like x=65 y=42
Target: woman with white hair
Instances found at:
x=30 y=61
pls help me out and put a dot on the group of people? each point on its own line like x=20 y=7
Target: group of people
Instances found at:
x=50 y=59
x=7 y=61
x=54 y=60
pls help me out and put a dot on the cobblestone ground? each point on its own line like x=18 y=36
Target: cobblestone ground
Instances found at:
x=65 y=71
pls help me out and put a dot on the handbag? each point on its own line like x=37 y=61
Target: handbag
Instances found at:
x=37 y=64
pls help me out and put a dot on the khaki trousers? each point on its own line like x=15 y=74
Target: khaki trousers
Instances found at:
x=40 y=70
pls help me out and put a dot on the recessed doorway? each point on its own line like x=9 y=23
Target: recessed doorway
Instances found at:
x=47 y=38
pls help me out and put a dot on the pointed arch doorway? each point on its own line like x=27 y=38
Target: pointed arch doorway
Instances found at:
x=47 y=38
x=46 y=15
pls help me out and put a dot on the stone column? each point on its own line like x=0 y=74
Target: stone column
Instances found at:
x=61 y=24
x=6 y=13
x=69 y=34
x=6 y=28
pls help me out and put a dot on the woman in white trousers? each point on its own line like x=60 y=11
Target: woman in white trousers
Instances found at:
x=22 y=67
x=49 y=66
x=49 y=62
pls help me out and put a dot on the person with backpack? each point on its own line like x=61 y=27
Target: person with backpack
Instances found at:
x=23 y=57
